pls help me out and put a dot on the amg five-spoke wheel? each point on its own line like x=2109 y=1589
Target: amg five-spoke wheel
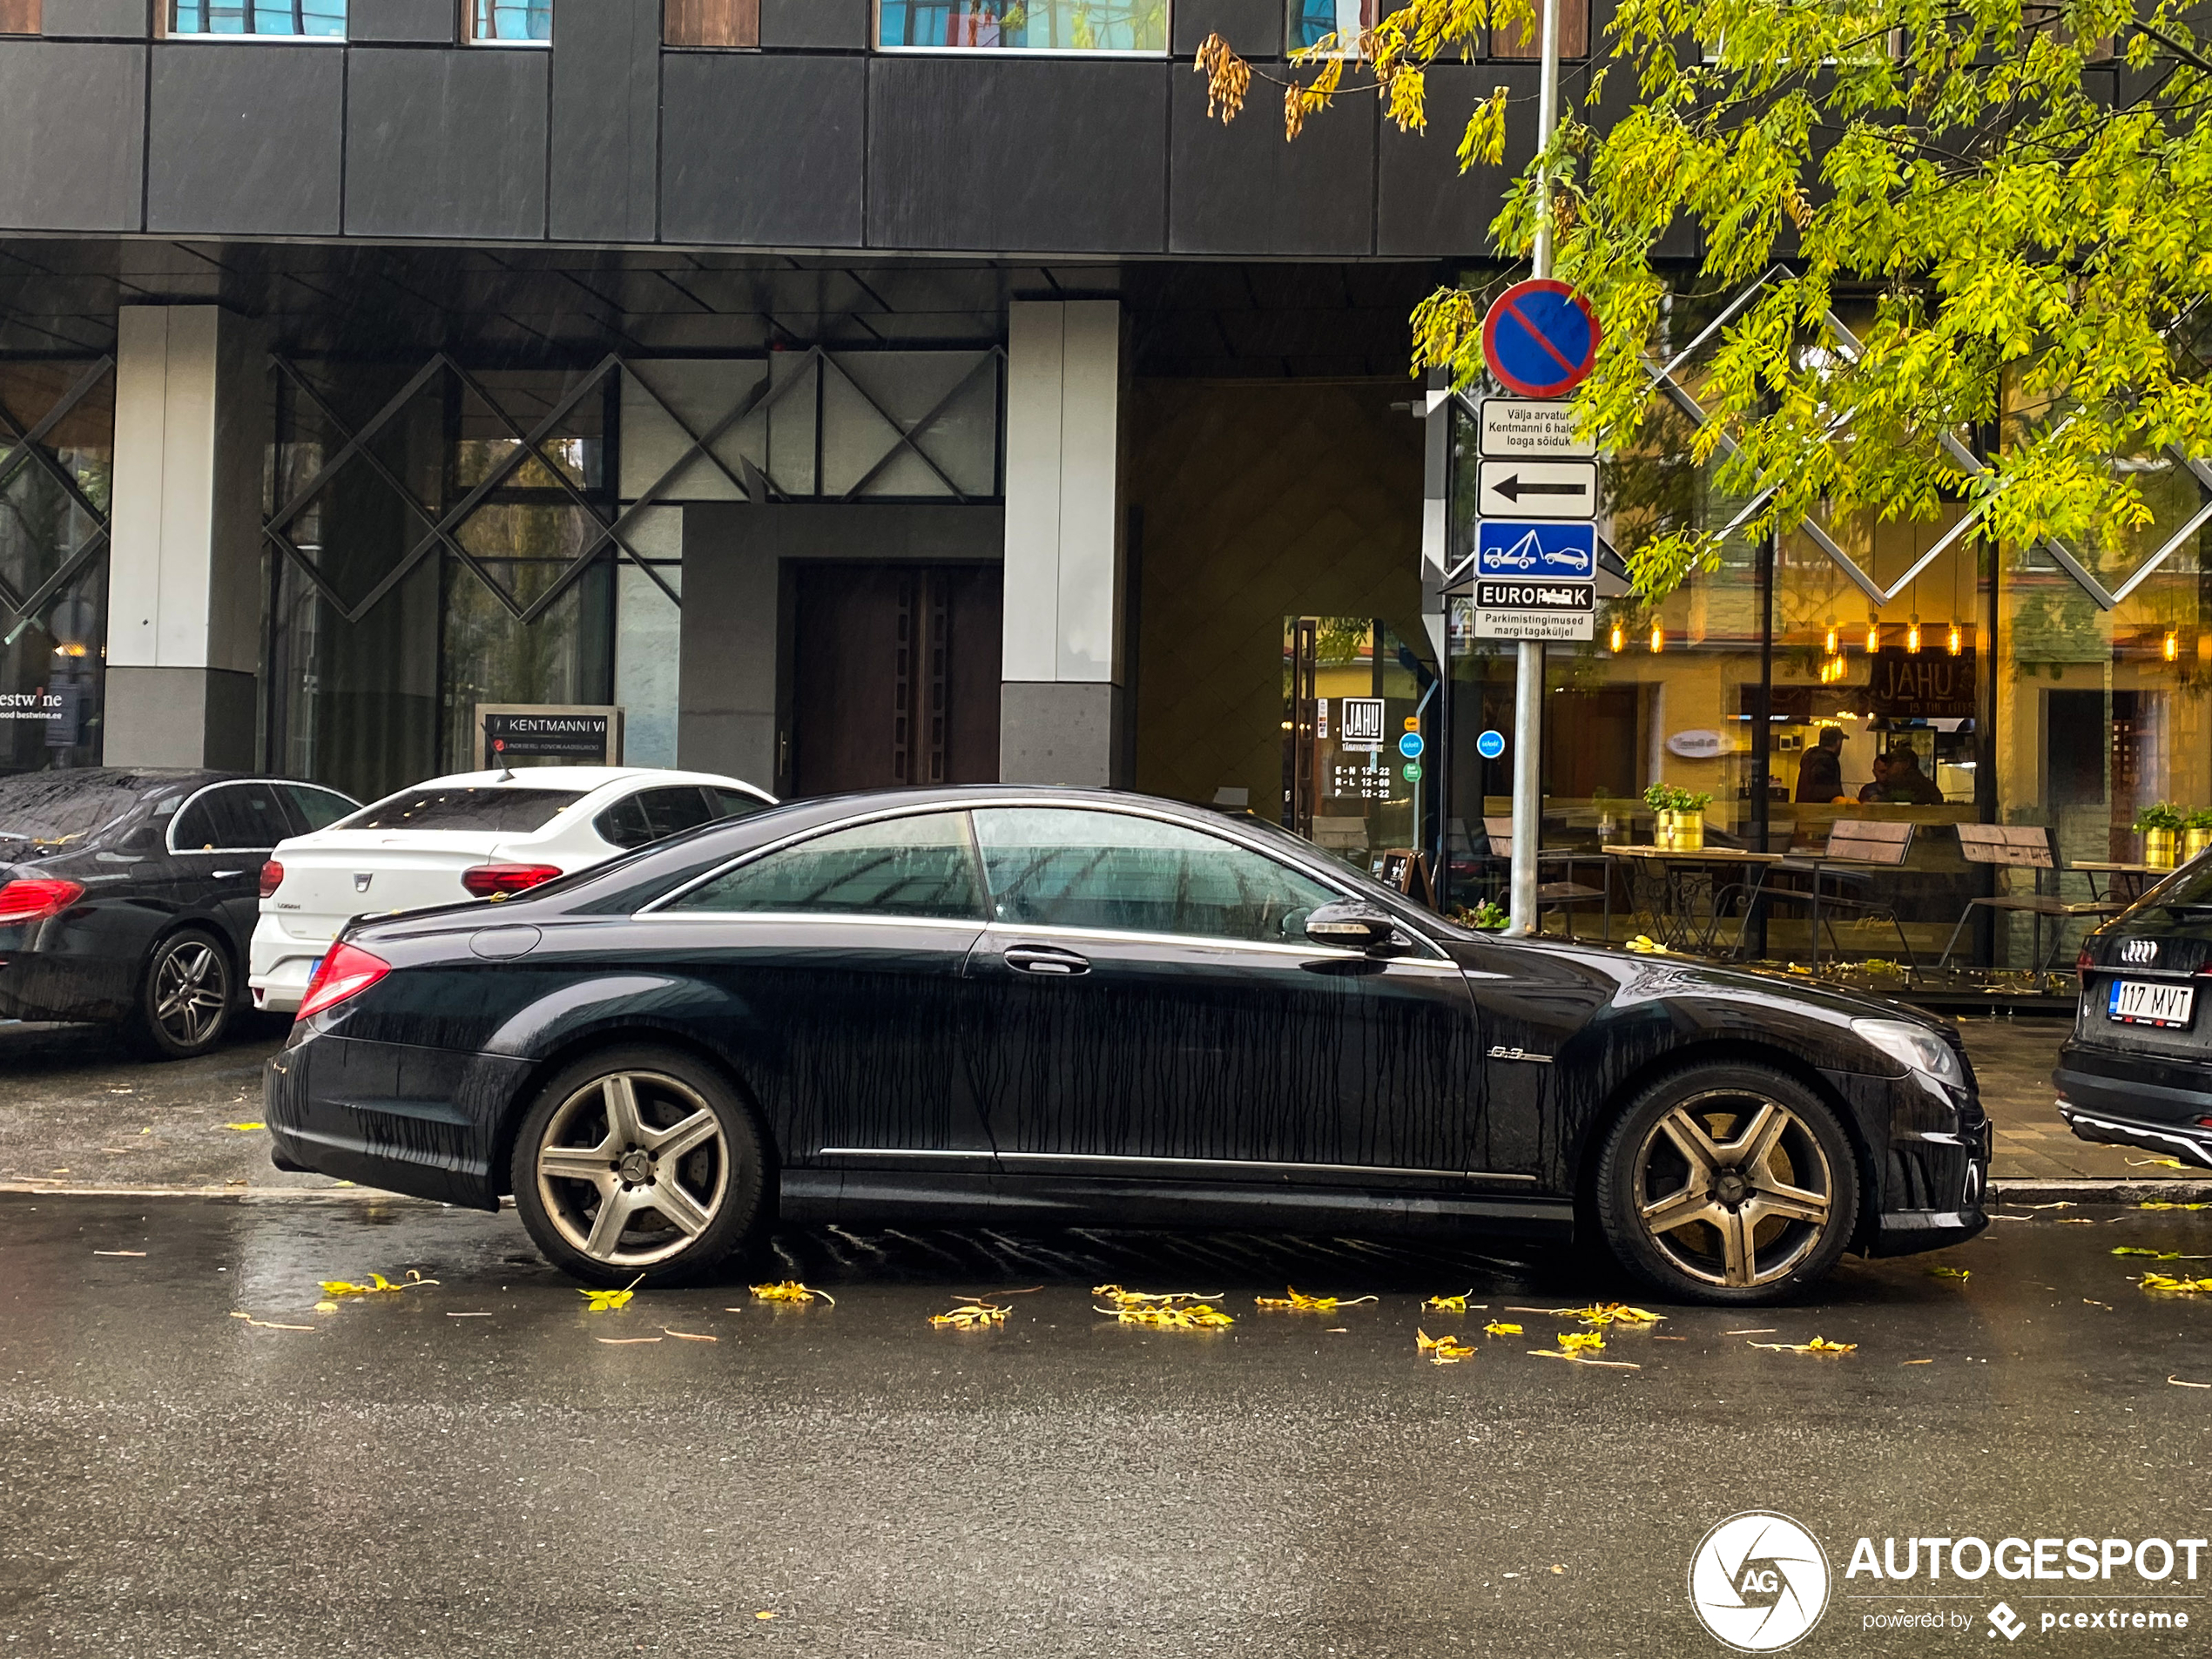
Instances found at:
x=1729 y=1184
x=637 y=1163
x=185 y=1000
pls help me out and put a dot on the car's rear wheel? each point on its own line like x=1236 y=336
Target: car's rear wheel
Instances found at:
x=186 y=996
x=638 y=1163
x=1729 y=1184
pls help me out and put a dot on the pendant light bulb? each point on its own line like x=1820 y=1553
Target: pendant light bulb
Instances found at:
x=1912 y=638
x=1957 y=642
x=1873 y=635
x=2172 y=650
x=1620 y=638
x=1658 y=639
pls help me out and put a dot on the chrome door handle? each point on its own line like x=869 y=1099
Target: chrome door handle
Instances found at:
x=228 y=875
x=1046 y=960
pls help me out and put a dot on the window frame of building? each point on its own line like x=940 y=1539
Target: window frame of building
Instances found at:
x=169 y=27
x=711 y=25
x=1142 y=53
x=480 y=24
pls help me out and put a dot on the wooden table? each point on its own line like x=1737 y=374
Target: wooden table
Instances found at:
x=1672 y=921
x=2129 y=877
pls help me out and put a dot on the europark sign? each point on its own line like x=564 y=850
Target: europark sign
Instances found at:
x=1533 y=571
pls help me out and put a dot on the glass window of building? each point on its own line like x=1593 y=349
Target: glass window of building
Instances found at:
x=1312 y=22
x=511 y=23
x=316 y=18
x=1134 y=26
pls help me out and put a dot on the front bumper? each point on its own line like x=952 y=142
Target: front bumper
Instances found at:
x=426 y=1122
x=1931 y=1178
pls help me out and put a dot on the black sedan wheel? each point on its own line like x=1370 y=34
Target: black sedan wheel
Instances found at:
x=185 y=1000
x=1731 y=1185
x=638 y=1163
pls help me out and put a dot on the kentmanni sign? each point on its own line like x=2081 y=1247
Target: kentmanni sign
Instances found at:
x=573 y=734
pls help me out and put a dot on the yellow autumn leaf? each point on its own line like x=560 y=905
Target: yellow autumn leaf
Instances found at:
x=2174 y=1206
x=245 y=1127
x=1581 y=1341
x=377 y=1285
x=1297 y=1303
x=973 y=1314
x=2157 y=1163
x=2176 y=1286
x=1170 y=1316
x=791 y=1290
x=1950 y=1273
x=1448 y=1303
x=326 y=1307
x=1121 y=1298
x=1644 y=945
x=1441 y=1351
x=1818 y=1345
x=1500 y=1328
x=609 y=1301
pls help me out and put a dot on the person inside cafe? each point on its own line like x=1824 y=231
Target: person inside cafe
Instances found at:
x=1820 y=774
x=1898 y=780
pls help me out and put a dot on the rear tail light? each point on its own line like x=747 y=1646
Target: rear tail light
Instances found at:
x=27 y=900
x=2083 y=963
x=498 y=881
x=347 y=970
x=271 y=879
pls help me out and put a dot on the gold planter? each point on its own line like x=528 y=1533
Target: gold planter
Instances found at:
x=1679 y=832
x=2160 y=847
x=2194 y=841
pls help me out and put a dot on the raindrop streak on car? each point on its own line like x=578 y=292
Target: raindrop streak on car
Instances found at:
x=1061 y=1006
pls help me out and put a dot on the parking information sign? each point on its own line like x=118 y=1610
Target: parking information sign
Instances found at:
x=1535 y=580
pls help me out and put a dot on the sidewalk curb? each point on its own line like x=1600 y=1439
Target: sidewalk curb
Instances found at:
x=2028 y=1190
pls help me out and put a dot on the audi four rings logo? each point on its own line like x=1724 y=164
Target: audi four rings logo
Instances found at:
x=2136 y=952
x=1759 y=1581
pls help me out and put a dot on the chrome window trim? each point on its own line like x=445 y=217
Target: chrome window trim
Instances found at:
x=1225 y=832
x=169 y=837
x=1132 y=936
x=1122 y=1159
x=857 y=918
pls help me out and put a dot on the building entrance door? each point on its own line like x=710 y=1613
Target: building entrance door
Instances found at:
x=894 y=675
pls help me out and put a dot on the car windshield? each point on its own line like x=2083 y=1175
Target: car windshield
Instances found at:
x=55 y=808
x=507 y=810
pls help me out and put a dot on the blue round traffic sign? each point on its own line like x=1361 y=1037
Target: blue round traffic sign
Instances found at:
x=1540 y=338
x=1411 y=745
x=1490 y=744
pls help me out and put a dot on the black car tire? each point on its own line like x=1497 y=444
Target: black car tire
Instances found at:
x=187 y=995
x=1729 y=1184
x=685 y=1208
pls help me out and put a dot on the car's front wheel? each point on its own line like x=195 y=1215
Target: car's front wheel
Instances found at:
x=638 y=1163
x=186 y=996
x=1729 y=1185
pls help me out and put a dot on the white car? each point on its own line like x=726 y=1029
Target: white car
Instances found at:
x=476 y=834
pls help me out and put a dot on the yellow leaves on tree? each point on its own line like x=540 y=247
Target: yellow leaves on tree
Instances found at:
x=1228 y=78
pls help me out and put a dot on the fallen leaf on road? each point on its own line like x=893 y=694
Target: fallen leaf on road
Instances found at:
x=609 y=1301
x=2157 y=1163
x=1172 y=1317
x=687 y=1336
x=2155 y=1255
x=790 y=1289
x=2174 y=1206
x=331 y=1307
x=1441 y=1351
x=624 y=1342
x=2178 y=1383
x=1644 y=945
x=1818 y=1345
x=1296 y=1303
x=2168 y=1284
x=245 y=1127
x=118 y=1252
x=1579 y=1341
x=264 y=1325
x=764 y=1616
x=1448 y=1303
x=1500 y=1328
x=973 y=1314
x=378 y=1284
x=1950 y=1273
x=1121 y=1298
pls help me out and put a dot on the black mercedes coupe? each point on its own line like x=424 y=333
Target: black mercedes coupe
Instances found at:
x=1057 y=1007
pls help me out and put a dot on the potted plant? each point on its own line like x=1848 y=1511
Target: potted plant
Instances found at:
x=2160 y=824
x=1681 y=814
x=2197 y=832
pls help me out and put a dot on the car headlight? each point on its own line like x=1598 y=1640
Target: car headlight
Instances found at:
x=1915 y=1048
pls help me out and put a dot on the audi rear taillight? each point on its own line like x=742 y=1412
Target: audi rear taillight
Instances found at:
x=347 y=970
x=271 y=879
x=500 y=880
x=2083 y=963
x=34 y=899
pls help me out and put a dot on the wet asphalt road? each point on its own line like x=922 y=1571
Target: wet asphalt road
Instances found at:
x=399 y=1481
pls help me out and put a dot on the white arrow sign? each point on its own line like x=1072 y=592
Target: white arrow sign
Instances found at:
x=1538 y=489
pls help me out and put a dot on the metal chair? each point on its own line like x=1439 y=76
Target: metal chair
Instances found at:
x=2019 y=846
x=1551 y=895
x=1856 y=847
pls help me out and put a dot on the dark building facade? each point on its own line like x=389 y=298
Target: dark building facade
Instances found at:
x=866 y=391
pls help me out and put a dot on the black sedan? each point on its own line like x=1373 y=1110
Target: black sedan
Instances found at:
x=129 y=895
x=1060 y=1006
x=2137 y=1070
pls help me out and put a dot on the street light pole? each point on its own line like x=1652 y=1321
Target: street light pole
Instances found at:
x=1529 y=665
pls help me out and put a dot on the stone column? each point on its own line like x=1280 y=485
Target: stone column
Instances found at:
x=1064 y=702
x=193 y=424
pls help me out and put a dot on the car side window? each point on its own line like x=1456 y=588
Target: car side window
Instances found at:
x=1070 y=867
x=734 y=803
x=196 y=827
x=623 y=824
x=250 y=815
x=922 y=867
x=668 y=811
x=318 y=808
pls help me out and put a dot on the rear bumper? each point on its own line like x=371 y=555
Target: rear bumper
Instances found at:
x=2122 y=1099
x=278 y=968
x=426 y=1121
x=2187 y=1141
x=53 y=985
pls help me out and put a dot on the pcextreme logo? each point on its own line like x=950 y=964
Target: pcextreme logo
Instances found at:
x=1759 y=1581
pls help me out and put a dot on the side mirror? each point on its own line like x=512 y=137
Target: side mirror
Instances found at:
x=1350 y=922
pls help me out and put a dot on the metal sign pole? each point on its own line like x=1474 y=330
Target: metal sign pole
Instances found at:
x=1529 y=667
